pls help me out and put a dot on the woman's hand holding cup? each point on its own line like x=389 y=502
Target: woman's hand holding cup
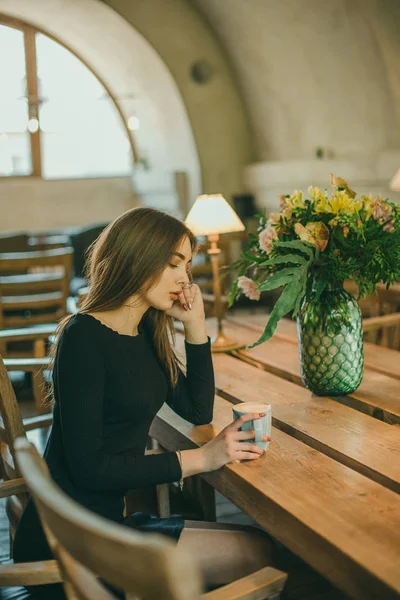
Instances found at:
x=233 y=445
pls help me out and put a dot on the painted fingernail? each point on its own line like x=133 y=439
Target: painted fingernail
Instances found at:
x=185 y=306
x=190 y=306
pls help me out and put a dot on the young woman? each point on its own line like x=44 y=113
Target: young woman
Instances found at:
x=114 y=368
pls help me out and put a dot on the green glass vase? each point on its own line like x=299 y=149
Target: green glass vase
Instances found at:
x=331 y=342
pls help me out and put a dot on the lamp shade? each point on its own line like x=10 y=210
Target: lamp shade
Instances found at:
x=212 y=214
x=395 y=183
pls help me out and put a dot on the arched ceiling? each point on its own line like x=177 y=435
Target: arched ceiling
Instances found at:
x=314 y=74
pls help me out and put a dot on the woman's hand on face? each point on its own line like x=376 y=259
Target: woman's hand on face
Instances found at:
x=189 y=307
x=229 y=444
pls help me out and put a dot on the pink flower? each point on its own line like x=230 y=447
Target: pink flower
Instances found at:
x=382 y=210
x=266 y=237
x=249 y=288
x=389 y=226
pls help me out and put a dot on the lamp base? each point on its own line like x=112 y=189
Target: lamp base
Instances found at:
x=224 y=344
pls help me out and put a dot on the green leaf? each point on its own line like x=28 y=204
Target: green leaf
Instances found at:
x=321 y=284
x=252 y=257
x=283 y=277
x=284 y=304
x=285 y=258
x=308 y=249
x=302 y=292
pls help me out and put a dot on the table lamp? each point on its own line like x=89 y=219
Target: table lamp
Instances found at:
x=211 y=215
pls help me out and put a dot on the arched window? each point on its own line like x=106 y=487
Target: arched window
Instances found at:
x=57 y=120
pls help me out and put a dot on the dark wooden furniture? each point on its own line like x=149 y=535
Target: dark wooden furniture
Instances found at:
x=12 y=426
x=40 y=294
x=142 y=565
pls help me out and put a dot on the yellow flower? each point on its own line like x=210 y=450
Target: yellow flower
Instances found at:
x=323 y=206
x=368 y=205
x=295 y=200
x=314 y=233
x=338 y=182
x=316 y=194
x=341 y=202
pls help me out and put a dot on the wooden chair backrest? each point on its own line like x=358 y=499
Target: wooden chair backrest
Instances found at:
x=14 y=242
x=37 y=295
x=379 y=328
x=11 y=427
x=88 y=546
x=383 y=330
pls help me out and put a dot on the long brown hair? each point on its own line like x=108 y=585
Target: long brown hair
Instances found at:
x=128 y=258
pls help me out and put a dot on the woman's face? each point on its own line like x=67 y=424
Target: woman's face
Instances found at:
x=165 y=292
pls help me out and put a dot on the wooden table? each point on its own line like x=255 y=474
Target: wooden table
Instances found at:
x=378 y=394
x=328 y=487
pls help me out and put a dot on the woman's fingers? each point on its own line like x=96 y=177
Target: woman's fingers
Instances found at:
x=183 y=301
x=247 y=456
x=236 y=425
x=245 y=447
x=194 y=290
x=186 y=297
x=250 y=434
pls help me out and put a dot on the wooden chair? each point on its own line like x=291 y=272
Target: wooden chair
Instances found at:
x=26 y=574
x=14 y=242
x=12 y=426
x=30 y=305
x=38 y=296
x=144 y=566
x=381 y=315
x=48 y=241
x=385 y=330
x=27 y=354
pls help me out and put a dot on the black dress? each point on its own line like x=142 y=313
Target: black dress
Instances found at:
x=108 y=388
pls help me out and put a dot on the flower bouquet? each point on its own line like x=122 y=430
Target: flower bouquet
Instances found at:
x=309 y=249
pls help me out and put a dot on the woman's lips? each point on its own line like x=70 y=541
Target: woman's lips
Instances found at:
x=174 y=296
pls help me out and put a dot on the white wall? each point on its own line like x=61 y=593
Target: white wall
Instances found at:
x=34 y=204
x=267 y=180
x=315 y=74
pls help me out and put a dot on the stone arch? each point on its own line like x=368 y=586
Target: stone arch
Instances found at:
x=147 y=49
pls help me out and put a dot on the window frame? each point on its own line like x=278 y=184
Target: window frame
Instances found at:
x=29 y=32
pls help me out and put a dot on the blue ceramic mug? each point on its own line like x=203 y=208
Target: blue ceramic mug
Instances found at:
x=260 y=426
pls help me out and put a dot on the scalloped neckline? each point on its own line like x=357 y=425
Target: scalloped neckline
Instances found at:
x=125 y=335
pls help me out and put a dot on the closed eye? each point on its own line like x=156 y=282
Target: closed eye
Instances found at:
x=188 y=271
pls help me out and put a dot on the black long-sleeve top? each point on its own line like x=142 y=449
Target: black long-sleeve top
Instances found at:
x=108 y=388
